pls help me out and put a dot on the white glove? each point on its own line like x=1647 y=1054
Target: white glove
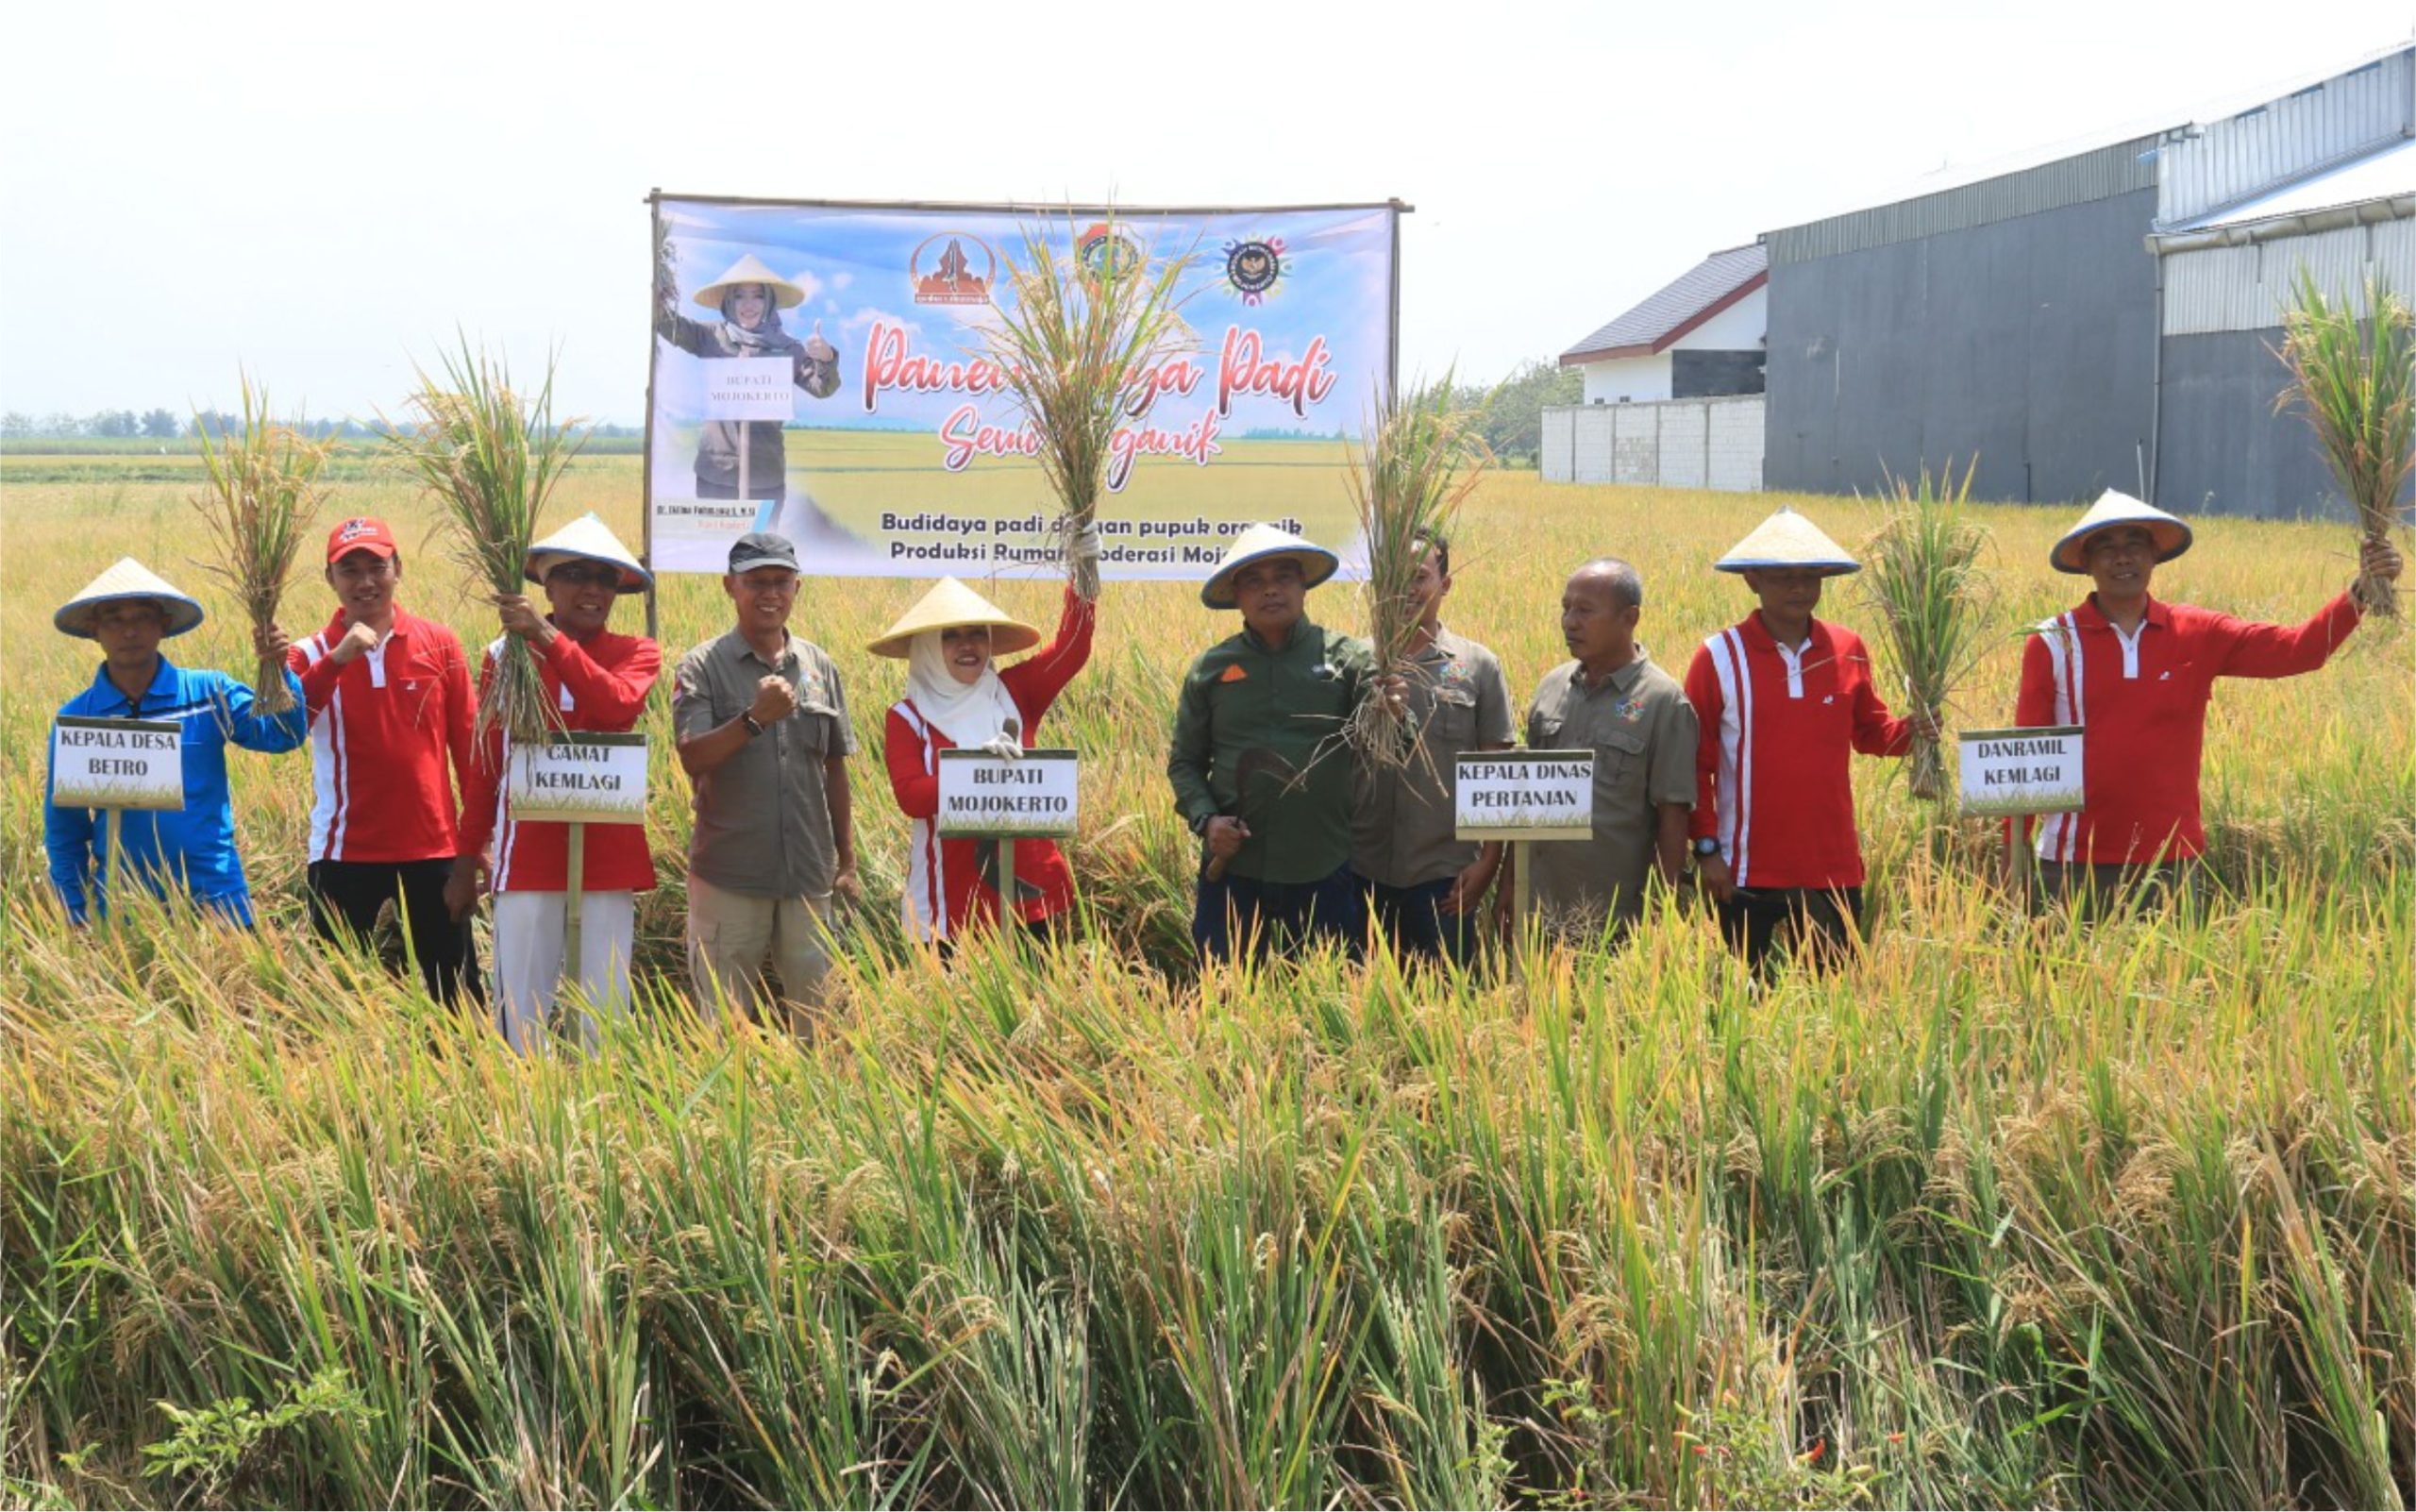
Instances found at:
x=1004 y=746
x=1086 y=541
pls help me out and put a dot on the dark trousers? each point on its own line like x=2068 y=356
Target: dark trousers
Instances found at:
x=347 y=896
x=1816 y=925
x=1414 y=921
x=2094 y=891
x=1264 y=916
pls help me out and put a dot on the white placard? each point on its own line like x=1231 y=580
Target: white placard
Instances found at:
x=117 y=764
x=1031 y=797
x=586 y=779
x=749 y=387
x=2020 y=771
x=1525 y=794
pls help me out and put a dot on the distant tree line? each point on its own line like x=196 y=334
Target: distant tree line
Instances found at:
x=1510 y=414
x=166 y=425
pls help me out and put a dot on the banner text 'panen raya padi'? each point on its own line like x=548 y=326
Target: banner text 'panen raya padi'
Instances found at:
x=904 y=451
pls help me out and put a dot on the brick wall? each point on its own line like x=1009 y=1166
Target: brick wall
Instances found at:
x=1712 y=442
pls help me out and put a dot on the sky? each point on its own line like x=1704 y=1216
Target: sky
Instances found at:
x=324 y=195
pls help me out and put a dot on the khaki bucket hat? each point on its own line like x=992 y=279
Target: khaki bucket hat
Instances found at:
x=952 y=603
x=750 y=269
x=1259 y=544
x=127 y=579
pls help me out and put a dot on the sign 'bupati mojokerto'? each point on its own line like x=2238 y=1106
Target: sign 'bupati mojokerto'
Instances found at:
x=117 y=764
x=580 y=777
x=905 y=454
x=1524 y=795
x=2020 y=771
x=1032 y=796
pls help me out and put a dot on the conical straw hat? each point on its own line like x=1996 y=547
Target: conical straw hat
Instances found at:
x=2171 y=533
x=128 y=579
x=587 y=539
x=951 y=603
x=1787 y=539
x=1258 y=543
x=750 y=269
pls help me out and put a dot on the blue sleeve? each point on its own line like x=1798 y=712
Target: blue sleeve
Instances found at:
x=269 y=733
x=68 y=836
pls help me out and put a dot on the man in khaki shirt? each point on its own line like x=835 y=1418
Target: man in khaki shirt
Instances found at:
x=762 y=724
x=1425 y=887
x=1635 y=719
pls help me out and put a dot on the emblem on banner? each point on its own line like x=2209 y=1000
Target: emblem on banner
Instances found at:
x=951 y=280
x=1109 y=249
x=1253 y=268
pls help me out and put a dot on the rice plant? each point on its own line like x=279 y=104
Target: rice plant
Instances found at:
x=1419 y=457
x=1921 y=572
x=492 y=460
x=2354 y=381
x=264 y=495
x=1080 y=345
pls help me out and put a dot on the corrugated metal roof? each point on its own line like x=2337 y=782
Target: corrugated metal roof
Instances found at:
x=2211 y=167
x=2099 y=175
x=1670 y=309
x=2385 y=174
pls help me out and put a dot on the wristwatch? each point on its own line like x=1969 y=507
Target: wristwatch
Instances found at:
x=754 y=725
x=1707 y=846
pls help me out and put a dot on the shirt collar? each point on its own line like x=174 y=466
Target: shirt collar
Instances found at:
x=1621 y=681
x=1758 y=636
x=2088 y=616
x=162 y=688
x=1301 y=631
x=742 y=649
x=337 y=626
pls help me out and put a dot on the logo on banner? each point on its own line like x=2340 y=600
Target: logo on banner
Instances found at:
x=1253 y=268
x=952 y=280
x=1107 y=251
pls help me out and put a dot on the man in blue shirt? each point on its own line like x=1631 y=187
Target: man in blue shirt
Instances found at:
x=130 y=611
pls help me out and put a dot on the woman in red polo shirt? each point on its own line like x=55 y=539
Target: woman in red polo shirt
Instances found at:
x=956 y=698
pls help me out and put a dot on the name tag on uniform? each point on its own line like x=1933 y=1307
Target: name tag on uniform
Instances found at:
x=1034 y=797
x=2020 y=771
x=117 y=764
x=1524 y=795
x=578 y=779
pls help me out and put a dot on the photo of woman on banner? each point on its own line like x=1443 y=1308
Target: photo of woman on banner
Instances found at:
x=748 y=459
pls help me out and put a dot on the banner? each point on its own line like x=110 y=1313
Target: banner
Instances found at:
x=902 y=453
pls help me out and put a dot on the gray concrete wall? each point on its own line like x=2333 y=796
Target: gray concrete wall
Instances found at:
x=2224 y=450
x=2028 y=342
x=1709 y=443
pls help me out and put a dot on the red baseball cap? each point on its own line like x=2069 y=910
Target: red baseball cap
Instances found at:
x=361 y=534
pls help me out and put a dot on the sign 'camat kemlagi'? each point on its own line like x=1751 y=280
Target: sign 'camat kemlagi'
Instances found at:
x=2020 y=771
x=1031 y=797
x=1525 y=794
x=882 y=436
x=117 y=764
x=586 y=779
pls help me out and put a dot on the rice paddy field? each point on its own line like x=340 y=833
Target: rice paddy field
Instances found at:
x=2011 y=1211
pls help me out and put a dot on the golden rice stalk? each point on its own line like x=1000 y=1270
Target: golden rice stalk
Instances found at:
x=1079 y=346
x=264 y=493
x=1418 y=459
x=1921 y=572
x=2354 y=381
x=492 y=460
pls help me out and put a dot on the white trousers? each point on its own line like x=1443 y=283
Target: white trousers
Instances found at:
x=528 y=960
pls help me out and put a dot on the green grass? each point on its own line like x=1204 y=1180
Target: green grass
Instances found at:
x=2007 y=1213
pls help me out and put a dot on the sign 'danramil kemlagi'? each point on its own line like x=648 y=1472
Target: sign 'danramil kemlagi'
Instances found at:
x=2020 y=771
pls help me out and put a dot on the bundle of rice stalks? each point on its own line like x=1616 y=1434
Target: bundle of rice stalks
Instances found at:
x=492 y=460
x=1079 y=346
x=1420 y=457
x=264 y=492
x=1921 y=572
x=2356 y=383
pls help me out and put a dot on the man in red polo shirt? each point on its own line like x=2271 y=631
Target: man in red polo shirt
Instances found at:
x=599 y=680
x=389 y=701
x=2136 y=674
x=1783 y=701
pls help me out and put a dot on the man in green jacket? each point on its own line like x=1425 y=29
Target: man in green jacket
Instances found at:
x=1260 y=766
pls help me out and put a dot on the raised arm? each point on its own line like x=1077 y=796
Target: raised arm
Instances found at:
x=1035 y=682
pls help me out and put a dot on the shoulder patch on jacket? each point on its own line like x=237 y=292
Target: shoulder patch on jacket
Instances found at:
x=1235 y=672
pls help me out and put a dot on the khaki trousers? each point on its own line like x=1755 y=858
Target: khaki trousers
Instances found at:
x=730 y=934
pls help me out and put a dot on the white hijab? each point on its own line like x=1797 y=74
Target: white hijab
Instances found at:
x=969 y=713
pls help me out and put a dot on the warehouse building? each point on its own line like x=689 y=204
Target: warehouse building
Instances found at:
x=2101 y=320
